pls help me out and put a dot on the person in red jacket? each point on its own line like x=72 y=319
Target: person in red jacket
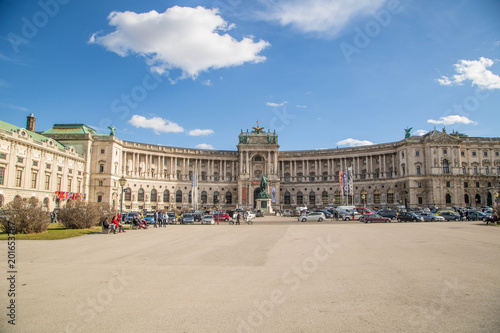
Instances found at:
x=117 y=224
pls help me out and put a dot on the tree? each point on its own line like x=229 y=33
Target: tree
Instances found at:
x=27 y=215
x=83 y=215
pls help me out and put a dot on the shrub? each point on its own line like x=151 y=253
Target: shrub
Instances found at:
x=27 y=215
x=83 y=215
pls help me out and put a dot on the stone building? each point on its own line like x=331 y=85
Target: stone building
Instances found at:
x=420 y=171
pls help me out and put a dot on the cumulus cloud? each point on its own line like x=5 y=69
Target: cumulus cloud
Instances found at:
x=204 y=146
x=354 y=143
x=276 y=105
x=475 y=71
x=421 y=132
x=200 y=132
x=191 y=39
x=452 y=119
x=323 y=17
x=157 y=124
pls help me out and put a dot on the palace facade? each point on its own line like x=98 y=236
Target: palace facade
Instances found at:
x=73 y=161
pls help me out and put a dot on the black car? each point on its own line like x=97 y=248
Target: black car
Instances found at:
x=408 y=216
x=259 y=213
x=475 y=215
x=392 y=214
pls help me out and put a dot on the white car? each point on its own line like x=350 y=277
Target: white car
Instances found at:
x=249 y=216
x=207 y=219
x=314 y=216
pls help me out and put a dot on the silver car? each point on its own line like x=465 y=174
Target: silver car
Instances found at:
x=314 y=216
x=430 y=217
x=207 y=219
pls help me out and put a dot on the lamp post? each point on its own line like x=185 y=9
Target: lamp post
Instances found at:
x=122 y=182
x=363 y=197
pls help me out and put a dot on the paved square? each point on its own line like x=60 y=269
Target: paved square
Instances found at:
x=268 y=277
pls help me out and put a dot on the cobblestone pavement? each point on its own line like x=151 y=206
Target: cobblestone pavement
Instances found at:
x=277 y=275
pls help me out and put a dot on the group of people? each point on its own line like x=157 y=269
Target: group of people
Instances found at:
x=115 y=224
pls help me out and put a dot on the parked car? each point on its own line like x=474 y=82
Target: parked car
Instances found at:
x=171 y=219
x=409 y=216
x=149 y=218
x=369 y=218
x=430 y=217
x=207 y=219
x=475 y=215
x=221 y=217
x=249 y=215
x=328 y=215
x=347 y=214
x=187 y=218
x=259 y=213
x=392 y=214
x=450 y=216
x=363 y=211
x=130 y=217
x=314 y=216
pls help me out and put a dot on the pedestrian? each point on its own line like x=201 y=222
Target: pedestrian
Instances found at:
x=238 y=219
x=160 y=219
x=117 y=224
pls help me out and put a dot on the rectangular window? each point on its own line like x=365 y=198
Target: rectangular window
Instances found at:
x=477 y=184
x=79 y=173
x=33 y=179
x=417 y=153
x=59 y=168
x=100 y=183
x=485 y=153
x=19 y=177
x=462 y=153
x=445 y=151
x=420 y=200
x=474 y=153
x=448 y=184
x=59 y=183
x=3 y=156
x=419 y=184
x=102 y=151
x=47 y=166
x=47 y=182
x=79 y=186
x=418 y=170
x=475 y=170
x=70 y=180
x=20 y=160
x=497 y=153
x=466 y=184
x=101 y=167
x=35 y=163
x=70 y=170
x=2 y=175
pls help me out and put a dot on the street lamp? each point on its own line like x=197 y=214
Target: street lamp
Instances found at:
x=363 y=197
x=122 y=182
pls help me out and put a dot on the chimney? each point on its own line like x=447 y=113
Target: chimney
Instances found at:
x=30 y=123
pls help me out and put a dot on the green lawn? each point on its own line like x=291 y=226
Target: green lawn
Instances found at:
x=55 y=231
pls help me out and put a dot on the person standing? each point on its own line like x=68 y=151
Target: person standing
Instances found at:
x=238 y=219
x=160 y=218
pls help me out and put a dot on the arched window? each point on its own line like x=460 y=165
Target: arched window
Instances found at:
x=324 y=198
x=229 y=198
x=418 y=170
x=466 y=198
x=257 y=158
x=478 y=199
x=204 y=197
x=287 y=177
x=325 y=176
x=299 y=177
x=154 y=195
x=376 y=197
x=216 y=197
x=338 y=198
x=312 y=198
x=300 y=198
x=446 y=166
x=190 y=199
x=228 y=177
x=140 y=195
x=203 y=175
x=390 y=197
x=128 y=194
x=166 y=196
x=287 y=198
x=363 y=197
x=448 y=198
x=178 y=196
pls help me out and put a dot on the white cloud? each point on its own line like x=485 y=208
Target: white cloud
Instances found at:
x=200 y=132
x=475 y=71
x=421 y=132
x=157 y=124
x=204 y=146
x=324 y=17
x=452 y=119
x=11 y=106
x=302 y=106
x=354 y=143
x=275 y=105
x=191 y=39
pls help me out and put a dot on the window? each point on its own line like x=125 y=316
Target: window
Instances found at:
x=325 y=176
x=487 y=170
x=35 y=163
x=3 y=156
x=100 y=183
x=79 y=186
x=229 y=197
x=203 y=175
x=140 y=195
x=466 y=198
x=390 y=197
x=99 y=198
x=475 y=170
x=47 y=182
x=154 y=195
x=257 y=158
x=2 y=175
x=299 y=177
x=485 y=153
x=311 y=177
x=47 y=166
x=127 y=196
x=19 y=177
x=419 y=184
x=34 y=175
x=190 y=197
x=287 y=177
x=300 y=198
x=466 y=184
x=312 y=198
x=417 y=153
x=448 y=198
x=287 y=198
x=448 y=184
x=59 y=183
x=464 y=170
x=228 y=177
x=446 y=166
x=216 y=197
x=166 y=196
x=20 y=160
x=324 y=198
x=462 y=153
x=445 y=151
x=497 y=153
x=376 y=197
x=420 y=200
x=477 y=184
x=216 y=177
x=338 y=198
x=70 y=181
x=498 y=171
x=474 y=153
x=59 y=169
x=204 y=197
x=101 y=167
x=489 y=184
x=418 y=170
x=79 y=173
x=102 y=151
x=178 y=196
x=70 y=170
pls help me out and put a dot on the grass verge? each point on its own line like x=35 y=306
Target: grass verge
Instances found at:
x=55 y=231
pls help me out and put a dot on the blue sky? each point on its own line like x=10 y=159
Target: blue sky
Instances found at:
x=322 y=73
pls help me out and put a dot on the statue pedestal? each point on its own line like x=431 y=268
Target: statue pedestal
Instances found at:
x=264 y=205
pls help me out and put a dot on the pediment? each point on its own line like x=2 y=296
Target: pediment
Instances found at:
x=436 y=136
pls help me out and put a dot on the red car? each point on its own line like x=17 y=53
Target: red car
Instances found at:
x=221 y=217
x=369 y=218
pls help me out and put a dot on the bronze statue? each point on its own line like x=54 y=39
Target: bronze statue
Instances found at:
x=407 y=132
